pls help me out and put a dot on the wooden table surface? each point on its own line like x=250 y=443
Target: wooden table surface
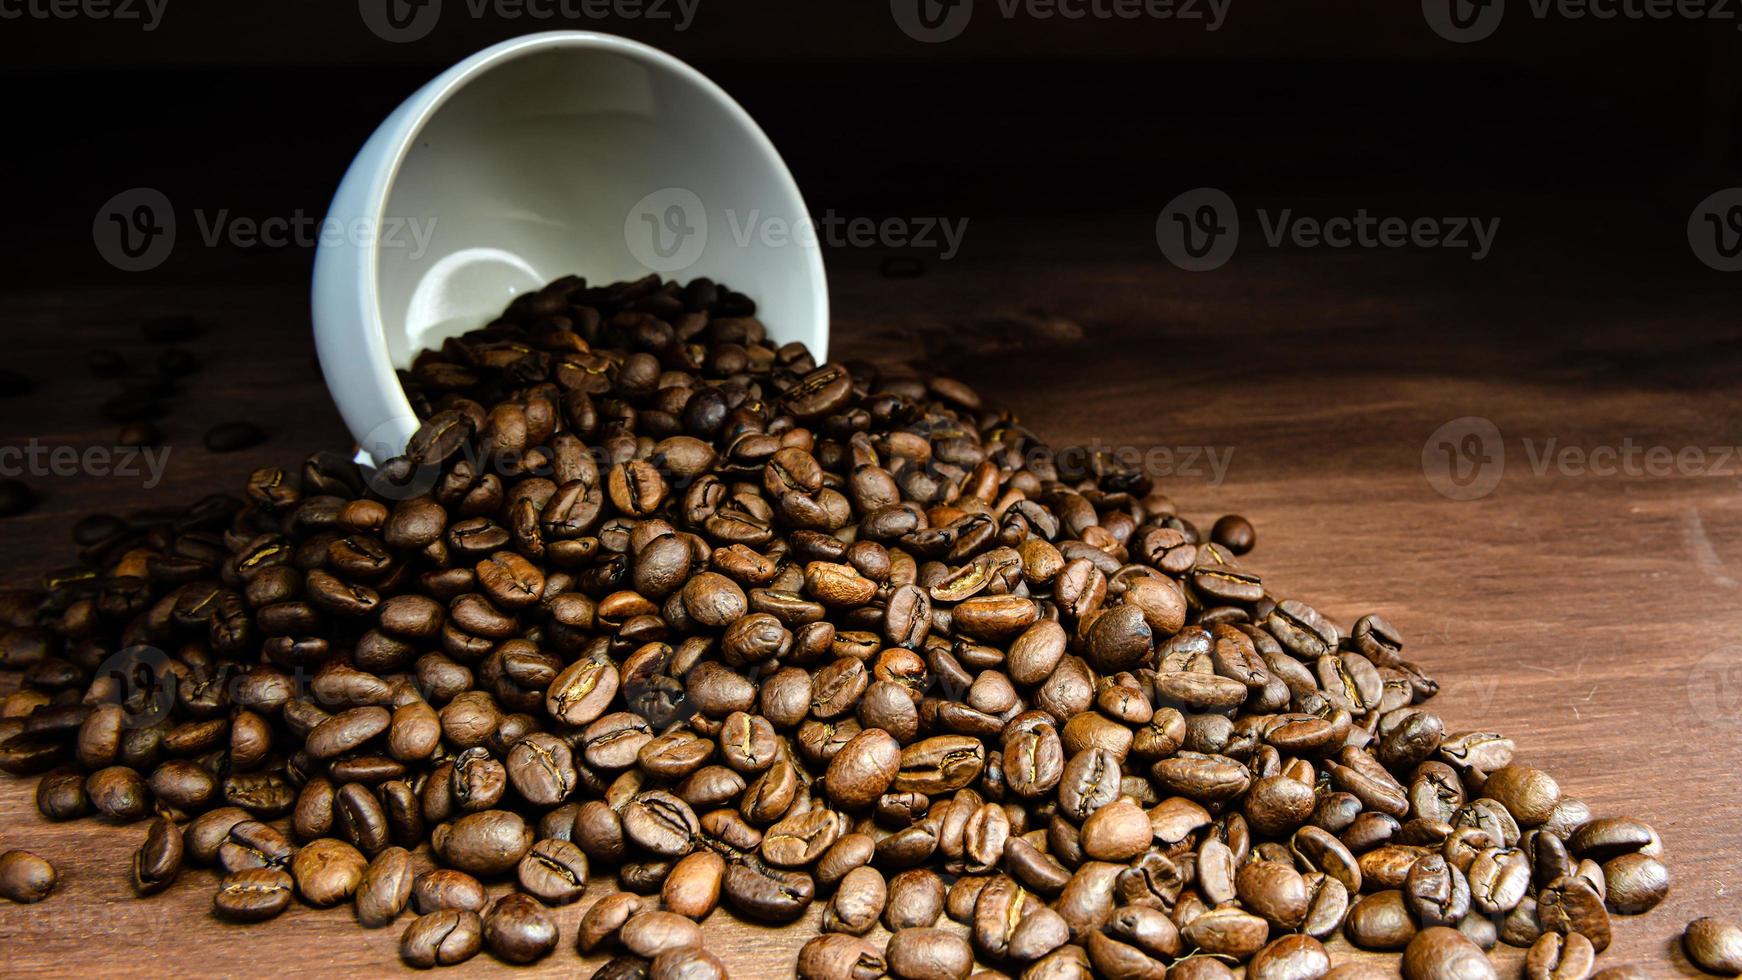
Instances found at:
x=1592 y=617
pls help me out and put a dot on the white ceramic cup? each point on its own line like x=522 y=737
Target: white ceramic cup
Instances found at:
x=550 y=154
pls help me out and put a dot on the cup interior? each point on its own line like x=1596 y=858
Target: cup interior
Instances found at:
x=585 y=154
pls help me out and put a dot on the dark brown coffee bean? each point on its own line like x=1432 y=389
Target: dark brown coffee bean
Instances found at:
x=650 y=933
x=442 y=888
x=765 y=893
x=1557 y=957
x=24 y=877
x=686 y=963
x=328 y=871
x=1380 y=921
x=442 y=938
x=1290 y=958
x=487 y=843
x=929 y=954
x=1715 y=945
x=553 y=871
x=518 y=929
x=158 y=861
x=660 y=823
x=1439 y=952
x=253 y=894
x=1635 y=883
x=692 y=888
x=385 y=888
x=834 y=956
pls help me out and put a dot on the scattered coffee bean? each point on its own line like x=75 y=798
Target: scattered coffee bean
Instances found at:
x=158 y=861
x=253 y=894
x=442 y=938
x=1235 y=533
x=24 y=877
x=518 y=929
x=1715 y=945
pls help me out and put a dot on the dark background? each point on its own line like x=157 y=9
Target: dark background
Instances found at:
x=1577 y=128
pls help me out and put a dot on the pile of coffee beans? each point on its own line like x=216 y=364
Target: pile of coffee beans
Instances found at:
x=651 y=598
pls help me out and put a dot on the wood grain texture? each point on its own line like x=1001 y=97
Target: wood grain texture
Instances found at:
x=1593 y=618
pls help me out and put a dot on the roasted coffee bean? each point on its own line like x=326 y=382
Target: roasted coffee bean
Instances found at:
x=686 y=963
x=487 y=843
x=1436 y=891
x=385 y=888
x=1572 y=904
x=692 y=888
x=839 y=957
x=253 y=894
x=442 y=938
x=765 y=893
x=857 y=904
x=1557 y=957
x=327 y=871
x=158 y=861
x=916 y=898
x=518 y=929
x=928 y=954
x=553 y=871
x=1634 y=883
x=1290 y=958
x=1438 y=952
x=118 y=794
x=1715 y=945
x=60 y=795
x=650 y=933
x=443 y=888
x=359 y=818
x=1380 y=921
x=24 y=877
x=252 y=844
x=660 y=823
